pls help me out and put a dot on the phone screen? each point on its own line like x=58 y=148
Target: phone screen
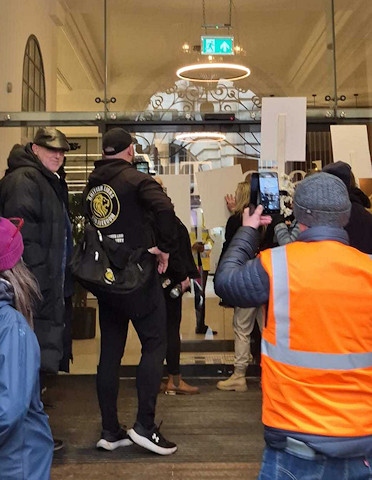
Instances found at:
x=269 y=196
x=142 y=166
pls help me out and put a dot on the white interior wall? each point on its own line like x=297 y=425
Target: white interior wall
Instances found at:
x=18 y=20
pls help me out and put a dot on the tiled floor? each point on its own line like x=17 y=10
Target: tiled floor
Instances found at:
x=86 y=352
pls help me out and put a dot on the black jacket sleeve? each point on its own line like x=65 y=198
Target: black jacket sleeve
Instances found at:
x=157 y=202
x=181 y=261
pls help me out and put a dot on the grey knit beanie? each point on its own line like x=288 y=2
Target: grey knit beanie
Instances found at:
x=322 y=199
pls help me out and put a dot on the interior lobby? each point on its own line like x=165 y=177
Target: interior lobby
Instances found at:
x=85 y=66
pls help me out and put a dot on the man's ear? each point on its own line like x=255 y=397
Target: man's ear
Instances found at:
x=131 y=150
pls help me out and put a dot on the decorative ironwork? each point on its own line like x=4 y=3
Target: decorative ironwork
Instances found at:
x=185 y=100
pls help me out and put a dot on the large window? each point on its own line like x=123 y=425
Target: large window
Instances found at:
x=33 y=82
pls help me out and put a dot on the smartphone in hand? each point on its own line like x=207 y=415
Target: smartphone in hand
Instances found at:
x=265 y=192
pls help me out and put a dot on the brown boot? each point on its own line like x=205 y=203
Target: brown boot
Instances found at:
x=176 y=386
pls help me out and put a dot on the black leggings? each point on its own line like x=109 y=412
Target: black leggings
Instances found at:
x=151 y=330
x=174 y=314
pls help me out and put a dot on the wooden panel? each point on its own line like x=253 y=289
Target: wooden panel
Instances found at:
x=247 y=164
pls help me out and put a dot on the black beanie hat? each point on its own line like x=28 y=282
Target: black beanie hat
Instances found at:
x=342 y=170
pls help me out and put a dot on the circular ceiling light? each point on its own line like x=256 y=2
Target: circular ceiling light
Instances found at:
x=201 y=136
x=213 y=72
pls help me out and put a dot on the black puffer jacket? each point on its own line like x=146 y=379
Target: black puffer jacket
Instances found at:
x=30 y=191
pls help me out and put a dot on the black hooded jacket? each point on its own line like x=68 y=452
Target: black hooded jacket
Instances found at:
x=119 y=201
x=32 y=192
x=359 y=227
x=130 y=207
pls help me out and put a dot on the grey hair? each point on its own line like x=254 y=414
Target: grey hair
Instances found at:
x=25 y=287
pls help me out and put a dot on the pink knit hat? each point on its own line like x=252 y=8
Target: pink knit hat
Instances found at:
x=11 y=242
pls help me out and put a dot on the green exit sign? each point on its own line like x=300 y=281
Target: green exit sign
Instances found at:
x=217 y=45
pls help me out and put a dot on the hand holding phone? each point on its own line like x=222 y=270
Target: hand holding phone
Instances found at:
x=255 y=219
x=265 y=192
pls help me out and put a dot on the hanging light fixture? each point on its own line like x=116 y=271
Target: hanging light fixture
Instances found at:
x=213 y=72
x=201 y=136
x=210 y=65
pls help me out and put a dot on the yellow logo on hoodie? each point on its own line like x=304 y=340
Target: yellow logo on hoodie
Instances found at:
x=104 y=205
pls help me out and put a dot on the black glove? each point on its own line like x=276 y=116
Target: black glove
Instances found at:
x=277 y=218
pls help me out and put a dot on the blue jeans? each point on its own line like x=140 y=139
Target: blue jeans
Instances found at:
x=280 y=465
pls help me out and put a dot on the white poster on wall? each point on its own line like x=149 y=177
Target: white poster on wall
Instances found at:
x=283 y=131
x=213 y=185
x=178 y=190
x=350 y=144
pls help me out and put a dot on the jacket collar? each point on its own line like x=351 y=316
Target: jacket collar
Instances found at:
x=6 y=293
x=316 y=234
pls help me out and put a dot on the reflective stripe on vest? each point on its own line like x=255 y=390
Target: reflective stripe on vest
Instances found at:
x=281 y=352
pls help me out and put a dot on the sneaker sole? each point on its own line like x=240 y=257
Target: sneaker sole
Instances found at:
x=145 y=443
x=110 y=446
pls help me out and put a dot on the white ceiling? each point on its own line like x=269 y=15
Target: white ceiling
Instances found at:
x=288 y=47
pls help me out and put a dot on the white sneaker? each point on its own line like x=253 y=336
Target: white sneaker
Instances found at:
x=110 y=441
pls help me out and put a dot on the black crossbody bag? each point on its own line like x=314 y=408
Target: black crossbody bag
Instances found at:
x=113 y=272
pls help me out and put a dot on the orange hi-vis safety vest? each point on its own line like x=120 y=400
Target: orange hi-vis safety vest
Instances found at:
x=317 y=341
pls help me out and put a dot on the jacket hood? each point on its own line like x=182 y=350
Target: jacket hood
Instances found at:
x=105 y=170
x=6 y=293
x=21 y=156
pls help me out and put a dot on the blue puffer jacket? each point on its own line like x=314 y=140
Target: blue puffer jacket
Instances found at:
x=26 y=443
